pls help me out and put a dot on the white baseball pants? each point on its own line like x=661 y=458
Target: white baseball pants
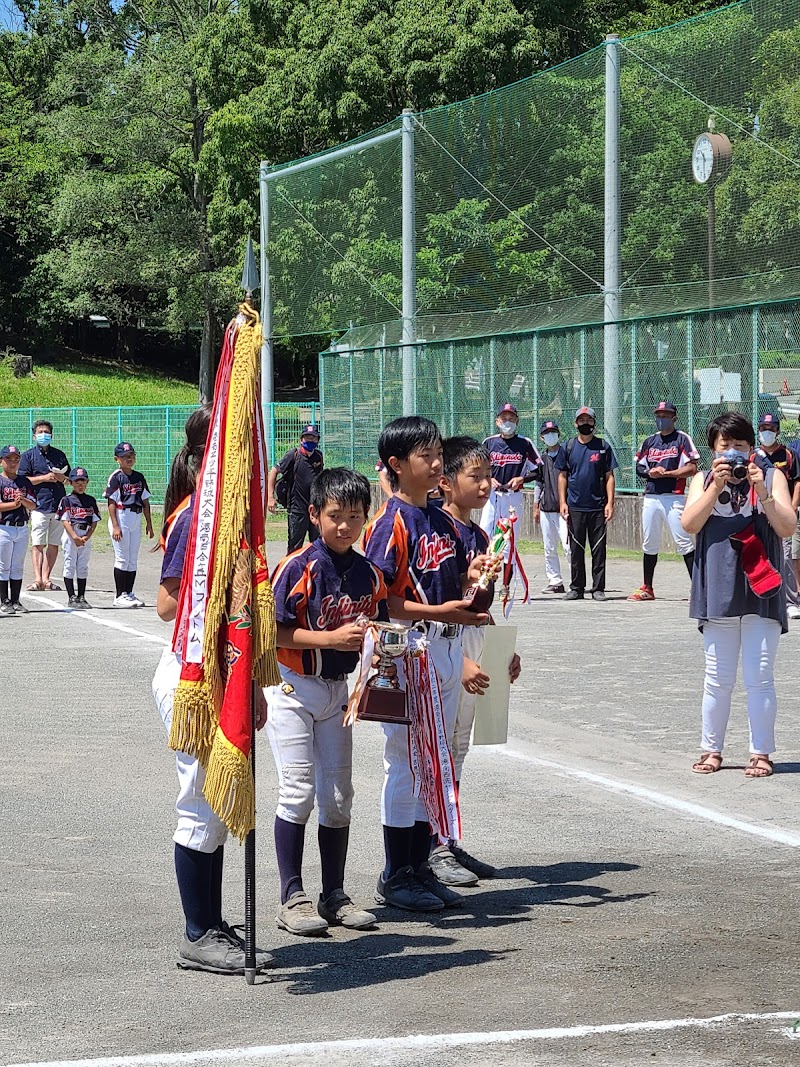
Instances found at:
x=757 y=641
x=399 y=806
x=13 y=546
x=313 y=750
x=198 y=826
x=126 y=551
x=472 y=641
x=658 y=509
x=497 y=507
x=554 y=529
x=76 y=557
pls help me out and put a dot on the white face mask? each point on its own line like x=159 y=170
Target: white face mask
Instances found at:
x=507 y=429
x=767 y=437
x=550 y=439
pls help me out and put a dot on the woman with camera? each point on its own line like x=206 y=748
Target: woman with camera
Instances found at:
x=739 y=514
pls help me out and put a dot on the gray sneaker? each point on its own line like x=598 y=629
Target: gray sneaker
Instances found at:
x=403 y=890
x=339 y=910
x=263 y=959
x=214 y=952
x=599 y=595
x=431 y=884
x=299 y=916
x=20 y=609
x=7 y=608
x=462 y=857
x=448 y=870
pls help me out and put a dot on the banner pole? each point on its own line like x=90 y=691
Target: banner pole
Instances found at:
x=250 y=865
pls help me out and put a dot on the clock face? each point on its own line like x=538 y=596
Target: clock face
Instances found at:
x=702 y=158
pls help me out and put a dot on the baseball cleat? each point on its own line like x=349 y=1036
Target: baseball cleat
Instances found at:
x=299 y=916
x=448 y=870
x=214 y=952
x=7 y=608
x=339 y=910
x=483 y=870
x=263 y=959
x=431 y=884
x=554 y=588
x=123 y=601
x=20 y=609
x=599 y=595
x=791 y=611
x=83 y=603
x=644 y=592
x=139 y=603
x=403 y=891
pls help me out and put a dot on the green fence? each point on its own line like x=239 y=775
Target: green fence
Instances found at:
x=88 y=435
x=746 y=359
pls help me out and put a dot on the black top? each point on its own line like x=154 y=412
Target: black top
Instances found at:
x=306 y=467
x=39 y=460
x=552 y=463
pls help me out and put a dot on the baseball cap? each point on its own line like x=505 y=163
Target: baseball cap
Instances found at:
x=9 y=450
x=77 y=473
x=124 y=448
x=310 y=429
x=770 y=421
x=508 y=409
x=665 y=407
x=585 y=411
x=548 y=427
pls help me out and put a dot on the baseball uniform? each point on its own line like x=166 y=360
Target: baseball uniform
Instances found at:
x=665 y=498
x=81 y=512
x=554 y=528
x=511 y=457
x=14 y=527
x=128 y=492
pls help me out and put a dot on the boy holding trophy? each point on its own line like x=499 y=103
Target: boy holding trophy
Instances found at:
x=324 y=595
x=424 y=564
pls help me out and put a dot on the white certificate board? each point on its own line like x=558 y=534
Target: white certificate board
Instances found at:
x=491 y=709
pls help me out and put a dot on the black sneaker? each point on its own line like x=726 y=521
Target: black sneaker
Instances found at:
x=73 y=603
x=83 y=603
x=433 y=886
x=554 y=588
x=483 y=870
x=599 y=595
x=7 y=608
x=405 y=891
x=448 y=869
x=573 y=594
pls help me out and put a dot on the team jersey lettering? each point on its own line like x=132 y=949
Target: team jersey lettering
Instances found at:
x=335 y=613
x=433 y=551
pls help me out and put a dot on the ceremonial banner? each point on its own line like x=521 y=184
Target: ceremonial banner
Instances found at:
x=225 y=624
x=491 y=709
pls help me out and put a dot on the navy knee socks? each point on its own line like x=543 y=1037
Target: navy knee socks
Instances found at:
x=397 y=847
x=333 y=841
x=289 y=841
x=194 y=871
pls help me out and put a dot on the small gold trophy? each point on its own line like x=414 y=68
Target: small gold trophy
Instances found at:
x=480 y=594
x=383 y=700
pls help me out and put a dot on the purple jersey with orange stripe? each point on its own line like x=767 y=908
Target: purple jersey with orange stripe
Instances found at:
x=318 y=589
x=419 y=551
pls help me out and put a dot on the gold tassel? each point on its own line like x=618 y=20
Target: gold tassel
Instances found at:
x=192 y=731
x=229 y=787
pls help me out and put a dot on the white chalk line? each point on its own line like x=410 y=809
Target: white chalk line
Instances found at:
x=411 y=1042
x=98 y=620
x=663 y=800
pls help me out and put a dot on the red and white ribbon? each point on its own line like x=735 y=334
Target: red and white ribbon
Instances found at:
x=364 y=669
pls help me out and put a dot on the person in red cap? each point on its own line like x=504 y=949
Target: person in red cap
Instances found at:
x=739 y=515
x=515 y=462
x=297 y=469
x=664 y=462
x=546 y=508
x=773 y=453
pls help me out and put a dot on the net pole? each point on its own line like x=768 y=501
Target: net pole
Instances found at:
x=612 y=242
x=634 y=399
x=267 y=348
x=409 y=265
x=690 y=374
x=536 y=377
x=754 y=331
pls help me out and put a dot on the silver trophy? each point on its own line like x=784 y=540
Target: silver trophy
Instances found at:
x=383 y=700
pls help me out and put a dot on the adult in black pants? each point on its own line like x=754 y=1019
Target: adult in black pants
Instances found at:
x=586 y=495
x=300 y=466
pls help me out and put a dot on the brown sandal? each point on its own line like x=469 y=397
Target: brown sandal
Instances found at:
x=709 y=763
x=36 y=587
x=756 y=769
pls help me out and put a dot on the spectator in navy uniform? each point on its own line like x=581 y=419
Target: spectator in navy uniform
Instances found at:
x=774 y=453
x=546 y=507
x=586 y=486
x=664 y=461
x=515 y=462
x=46 y=468
x=300 y=466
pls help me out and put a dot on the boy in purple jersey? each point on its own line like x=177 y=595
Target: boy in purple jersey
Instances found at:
x=17 y=501
x=664 y=462
x=128 y=497
x=79 y=514
x=321 y=593
x=466 y=482
x=424 y=563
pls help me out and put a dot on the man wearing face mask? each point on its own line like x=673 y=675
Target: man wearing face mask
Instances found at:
x=515 y=462
x=546 y=508
x=774 y=453
x=46 y=468
x=664 y=462
x=298 y=468
x=586 y=486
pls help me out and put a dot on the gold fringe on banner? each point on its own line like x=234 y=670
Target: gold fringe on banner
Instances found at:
x=229 y=786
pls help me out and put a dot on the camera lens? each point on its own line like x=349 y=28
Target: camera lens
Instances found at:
x=739 y=470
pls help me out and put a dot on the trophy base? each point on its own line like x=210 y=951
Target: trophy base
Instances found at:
x=480 y=598
x=383 y=705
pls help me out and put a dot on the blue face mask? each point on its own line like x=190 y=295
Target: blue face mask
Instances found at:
x=665 y=425
x=43 y=438
x=308 y=446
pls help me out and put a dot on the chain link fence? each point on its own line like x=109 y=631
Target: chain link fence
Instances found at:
x=88 y=435
x=747 y=359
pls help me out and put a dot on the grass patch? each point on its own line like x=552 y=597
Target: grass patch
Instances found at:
x=536 y=548
x=90 y=383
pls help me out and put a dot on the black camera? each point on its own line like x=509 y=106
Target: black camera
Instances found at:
x=739 y=463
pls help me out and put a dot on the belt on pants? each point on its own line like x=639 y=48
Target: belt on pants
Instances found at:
x=448 y=630
x=134 y=508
